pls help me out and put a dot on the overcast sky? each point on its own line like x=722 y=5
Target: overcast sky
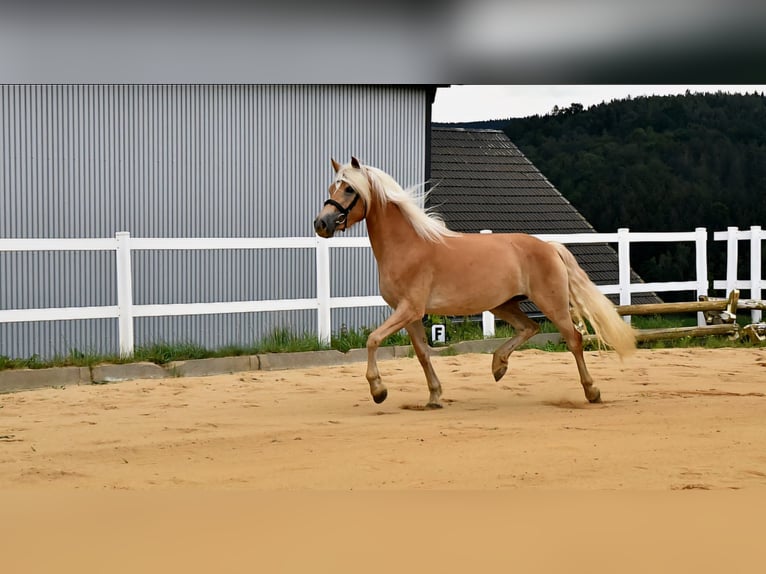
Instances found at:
x=474 y=103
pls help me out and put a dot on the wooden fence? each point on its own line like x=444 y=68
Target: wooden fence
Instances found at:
x=124 y=311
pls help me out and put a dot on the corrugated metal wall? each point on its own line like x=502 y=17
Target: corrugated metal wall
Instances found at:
x=186 y=161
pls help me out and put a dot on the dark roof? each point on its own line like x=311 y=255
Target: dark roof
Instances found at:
x=480 y=180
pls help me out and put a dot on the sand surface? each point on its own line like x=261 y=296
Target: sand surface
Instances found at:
x=667 y=474
x=671 y=419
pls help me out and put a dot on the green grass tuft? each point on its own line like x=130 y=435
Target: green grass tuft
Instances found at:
x=348 y=339
x=283 y=340
x=164 y=352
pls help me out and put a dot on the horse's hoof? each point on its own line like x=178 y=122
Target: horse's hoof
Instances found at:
x=380 y=397
x=434 y=406
x=594 y=396
x=499 y=373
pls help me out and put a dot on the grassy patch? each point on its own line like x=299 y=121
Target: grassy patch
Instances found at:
x=547 y=346
x=8 y=363
x=162 y=353
x=283 y=340
x=663 y=321
x=73 y=359
x=348 y=339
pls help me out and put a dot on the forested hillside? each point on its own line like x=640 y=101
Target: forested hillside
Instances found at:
x=655 y=164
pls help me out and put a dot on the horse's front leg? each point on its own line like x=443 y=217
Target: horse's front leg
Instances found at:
x=420 y=344
x=401 y=317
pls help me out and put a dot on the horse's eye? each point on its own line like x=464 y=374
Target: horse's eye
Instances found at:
x=350 y=190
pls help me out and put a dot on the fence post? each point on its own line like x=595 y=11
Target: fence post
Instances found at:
x=755 y=270
x=623 y=258
x=702 y=280
x=487 y=318
x=324 y=321
x=125 y=293
x=732 y=256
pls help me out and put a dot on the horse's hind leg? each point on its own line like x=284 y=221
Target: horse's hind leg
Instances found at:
x=524 y=327
x=573 y=337
x=559 y=315
x=420 y=344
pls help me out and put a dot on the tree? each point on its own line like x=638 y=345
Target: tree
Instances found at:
x=655 y=163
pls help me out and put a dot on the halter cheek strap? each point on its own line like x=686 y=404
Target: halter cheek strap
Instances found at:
x=346 y=210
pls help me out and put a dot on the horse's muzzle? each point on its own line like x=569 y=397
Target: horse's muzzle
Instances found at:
x=324 y=225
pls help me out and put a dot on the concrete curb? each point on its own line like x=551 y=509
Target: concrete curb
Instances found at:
x=27 y=379
x=214 y=366
x=126 y=372
x=283 y=361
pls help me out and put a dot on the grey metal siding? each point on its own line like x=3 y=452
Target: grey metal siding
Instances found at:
x=186 y=161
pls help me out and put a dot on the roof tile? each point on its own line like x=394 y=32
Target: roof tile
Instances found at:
x=481 y=180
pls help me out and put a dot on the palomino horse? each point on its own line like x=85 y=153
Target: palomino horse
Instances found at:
x=426 y=268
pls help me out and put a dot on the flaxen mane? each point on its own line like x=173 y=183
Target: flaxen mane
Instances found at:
x=374 y=185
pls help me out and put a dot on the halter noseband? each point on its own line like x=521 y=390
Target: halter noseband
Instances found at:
x=344 y=211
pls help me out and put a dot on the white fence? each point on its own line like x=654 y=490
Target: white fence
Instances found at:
x=125 y=311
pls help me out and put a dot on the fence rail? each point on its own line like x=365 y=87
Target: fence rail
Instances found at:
x=125 y=311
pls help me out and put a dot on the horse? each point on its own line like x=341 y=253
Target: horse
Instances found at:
x=426 y=268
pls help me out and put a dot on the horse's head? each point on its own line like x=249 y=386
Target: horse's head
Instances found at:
x=346 y=205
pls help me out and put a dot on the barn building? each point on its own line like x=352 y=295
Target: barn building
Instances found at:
x=208 y=160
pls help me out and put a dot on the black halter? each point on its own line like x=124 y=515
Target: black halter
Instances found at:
x=344 y=211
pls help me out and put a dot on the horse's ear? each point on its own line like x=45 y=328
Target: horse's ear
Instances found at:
x=335 y=165
x=355 y=162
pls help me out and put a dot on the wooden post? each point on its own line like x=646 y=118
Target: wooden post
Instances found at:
x=755 y=270
x=732 y=255
x=487 y=318
x=732 y=304
x=680 y=332
x=623 y=256
x=683 y=307
x=702 y=279
x=324 y=320
x=124 y=294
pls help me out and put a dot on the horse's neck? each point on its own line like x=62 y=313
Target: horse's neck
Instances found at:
x=391 y=234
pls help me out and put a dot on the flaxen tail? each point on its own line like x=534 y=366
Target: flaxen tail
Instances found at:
x=589 y=303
